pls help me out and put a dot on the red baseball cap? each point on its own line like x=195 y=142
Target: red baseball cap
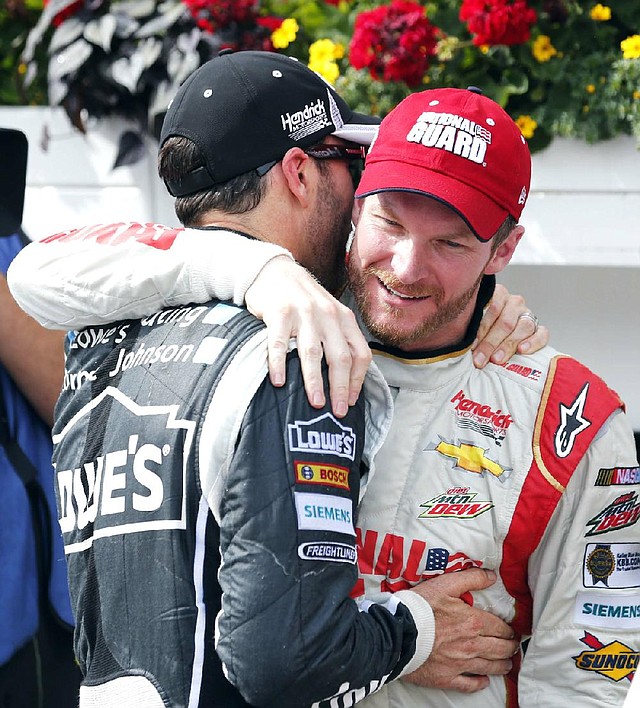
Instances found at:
x=456 y=146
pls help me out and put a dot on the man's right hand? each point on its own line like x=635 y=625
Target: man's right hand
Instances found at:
x=293 y=304
x=470 y=644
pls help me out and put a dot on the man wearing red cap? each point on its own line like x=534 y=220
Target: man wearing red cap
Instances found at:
x=527 y=468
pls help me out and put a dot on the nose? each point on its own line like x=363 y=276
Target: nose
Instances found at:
x=410 y=261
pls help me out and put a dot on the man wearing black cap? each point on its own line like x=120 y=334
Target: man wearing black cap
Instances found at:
x=166 y=509
x=145 y=479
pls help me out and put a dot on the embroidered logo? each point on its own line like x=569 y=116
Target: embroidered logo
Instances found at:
x=572 y=423
x=455 y=503
x=613 y=565
x=616 y=476
x=470 y=458
x=453 y=133
x=323 y=435
x=622 y=512
x=615 y=661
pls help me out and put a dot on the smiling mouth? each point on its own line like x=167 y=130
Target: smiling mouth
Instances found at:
x=402 y=296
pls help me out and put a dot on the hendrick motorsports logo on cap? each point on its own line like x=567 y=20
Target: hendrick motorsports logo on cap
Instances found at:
x=312 y=118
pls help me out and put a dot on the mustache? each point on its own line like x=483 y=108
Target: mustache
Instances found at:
x=391 y=281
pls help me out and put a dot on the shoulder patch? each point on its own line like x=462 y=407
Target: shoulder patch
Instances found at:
x=574 y=406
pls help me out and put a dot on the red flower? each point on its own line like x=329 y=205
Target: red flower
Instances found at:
x=216 y=14
x=395 y=42
x=498 y=21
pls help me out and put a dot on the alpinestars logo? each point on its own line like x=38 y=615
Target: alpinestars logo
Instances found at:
x=572 y=423
x=452 y=133
x=129 y=487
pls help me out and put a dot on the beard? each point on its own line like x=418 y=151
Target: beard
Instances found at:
x=330 y=226
x=390 y=330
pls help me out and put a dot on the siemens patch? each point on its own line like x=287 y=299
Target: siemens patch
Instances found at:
x=609 y=611
x=324 y=512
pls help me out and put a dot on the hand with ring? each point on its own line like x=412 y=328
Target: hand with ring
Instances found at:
x=508 y=326
x=530 y=316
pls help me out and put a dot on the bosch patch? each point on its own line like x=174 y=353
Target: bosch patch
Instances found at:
x=320 y=473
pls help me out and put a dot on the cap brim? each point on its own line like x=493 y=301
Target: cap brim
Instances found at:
x=361 y=129
x=483 y=216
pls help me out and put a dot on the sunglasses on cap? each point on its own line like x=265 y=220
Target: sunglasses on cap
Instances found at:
x=354 y=154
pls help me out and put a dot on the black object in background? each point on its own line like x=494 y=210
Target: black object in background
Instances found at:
x=13 y=174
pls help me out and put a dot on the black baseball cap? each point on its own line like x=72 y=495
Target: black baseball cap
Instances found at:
x=245 y=110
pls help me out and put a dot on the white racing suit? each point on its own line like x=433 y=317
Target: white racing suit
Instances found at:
x=528 y=469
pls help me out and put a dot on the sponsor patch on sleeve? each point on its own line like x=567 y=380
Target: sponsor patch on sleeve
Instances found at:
x=612 y=565
x=616 y=476
x=615 y=661
x=607 y=610
x=324 y=512
x=624 y=511
x=328 y=551
x=323 y=435
x=320 y=473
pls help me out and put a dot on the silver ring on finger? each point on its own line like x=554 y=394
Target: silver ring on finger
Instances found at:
x=532 y=317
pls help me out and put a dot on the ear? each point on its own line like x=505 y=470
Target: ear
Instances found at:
x=356 y=210
x=299 y=176
x=503 y=254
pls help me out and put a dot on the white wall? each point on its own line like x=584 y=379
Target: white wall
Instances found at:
x=593 y=314
x=578 y=265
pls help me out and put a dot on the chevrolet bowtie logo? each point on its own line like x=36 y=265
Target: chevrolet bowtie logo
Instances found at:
x=470 y=458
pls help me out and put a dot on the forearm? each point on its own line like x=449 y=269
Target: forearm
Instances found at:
x=31 y=355
x=104 y=273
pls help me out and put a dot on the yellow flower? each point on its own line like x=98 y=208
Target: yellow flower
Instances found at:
x=542 y=48
x=322 y=58
x=600 y=13
x=631 y=47
x=636 y=95
x=590 y=88
x=325 y=50
x=285 y=34
x=328 y=69
x=527 y=126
